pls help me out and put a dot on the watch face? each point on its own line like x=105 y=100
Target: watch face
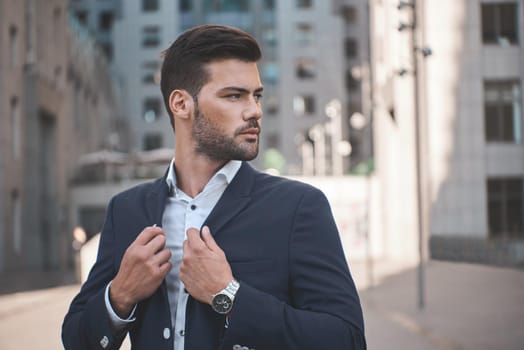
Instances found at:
x=222 y=304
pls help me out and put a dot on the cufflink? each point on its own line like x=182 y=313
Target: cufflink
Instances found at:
x=104 y=342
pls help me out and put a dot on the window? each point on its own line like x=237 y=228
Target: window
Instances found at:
x=304 y=3
x=151 y=36
x=304 y=104
x=13 y=45
x=505 y=207
x=349 y=14
x=226 y=5
x=185 y=5
x=16 y=216
x=149 y=5
x=502 y=111
x=269 y=36
x=16 y=128
x=107 y=48
x=270 y=73
x=271 y=105
x=81 y=16
x=304 y=34
x=269 y=4
x=351 y=83
x=151 y=73
x=305 y=68
x=152 y=141
x=105 y=21
x=151 y=109
x=500 y=23
x=350 y=47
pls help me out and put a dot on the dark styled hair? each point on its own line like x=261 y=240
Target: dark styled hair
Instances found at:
x=184 y=61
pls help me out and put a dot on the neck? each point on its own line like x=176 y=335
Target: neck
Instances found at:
x=193 y=171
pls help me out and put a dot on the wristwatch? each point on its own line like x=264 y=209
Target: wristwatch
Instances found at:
x=222 y=302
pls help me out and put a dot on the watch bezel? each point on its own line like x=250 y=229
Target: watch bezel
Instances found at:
x=222 y=303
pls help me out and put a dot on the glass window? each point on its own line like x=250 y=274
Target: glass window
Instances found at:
x=304 y=104
x=149 y=5
x=81 y=16
x=151 y=72
x=304 y=3
x=151 y=109
x=226 y=5
x=269 y=4
x=13 y=45
x=15 y=125
x=305 y=68
x=304 y=34
x=151 y=36
x=105 y=21
x=152 y=141
x=351 y=47
x=16 y=216
x=505 y=207
x=349 y=13
x=500 y=23
x=108 y=50
x=185 y=5
x=351 y=83
x=271 y=105
x=270 y=73
x=502 y=111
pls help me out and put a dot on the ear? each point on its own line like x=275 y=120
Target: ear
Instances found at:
x=181 y=104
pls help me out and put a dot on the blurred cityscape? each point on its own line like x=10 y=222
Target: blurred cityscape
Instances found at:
x=407 y=114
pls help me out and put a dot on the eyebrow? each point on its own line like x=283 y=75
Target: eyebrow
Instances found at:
x=241 y=90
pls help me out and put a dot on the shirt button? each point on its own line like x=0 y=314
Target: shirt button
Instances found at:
x=182 y=333
x=167 y=333
x=193 y=207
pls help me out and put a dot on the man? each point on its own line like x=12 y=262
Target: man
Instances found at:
x=216 y=255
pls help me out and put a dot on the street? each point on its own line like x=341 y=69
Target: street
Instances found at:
x=468 y=307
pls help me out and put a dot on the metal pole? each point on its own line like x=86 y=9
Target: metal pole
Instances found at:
x=418 y=162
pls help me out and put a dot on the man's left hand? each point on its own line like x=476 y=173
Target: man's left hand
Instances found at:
x=204 y=268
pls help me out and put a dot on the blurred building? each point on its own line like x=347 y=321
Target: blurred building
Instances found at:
x=308 y=97
x=56 y=102
x=470 y=124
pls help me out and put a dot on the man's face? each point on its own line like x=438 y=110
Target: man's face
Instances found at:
x=228 y=112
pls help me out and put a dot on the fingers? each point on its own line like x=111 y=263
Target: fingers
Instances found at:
x=162 y=257
x=148 y=234
x=209 y=240
x=193 y=239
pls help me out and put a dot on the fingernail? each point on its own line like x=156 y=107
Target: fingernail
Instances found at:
x=154 y=225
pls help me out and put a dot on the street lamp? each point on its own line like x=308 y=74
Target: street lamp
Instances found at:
x=425 y=51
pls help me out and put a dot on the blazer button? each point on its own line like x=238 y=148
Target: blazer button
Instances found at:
x=167 y=333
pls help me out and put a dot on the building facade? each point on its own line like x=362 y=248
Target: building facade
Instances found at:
x=299 y=83
x=57 y=102
x=468 y=105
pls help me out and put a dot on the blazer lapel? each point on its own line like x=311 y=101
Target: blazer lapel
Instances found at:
x=236 y=196
x=156 y=201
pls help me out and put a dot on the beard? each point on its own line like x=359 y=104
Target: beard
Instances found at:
x=212 y=142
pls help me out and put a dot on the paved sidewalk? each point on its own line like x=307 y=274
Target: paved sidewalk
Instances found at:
x=468 y=307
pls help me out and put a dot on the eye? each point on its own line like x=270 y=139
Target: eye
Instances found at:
x=233 y=96
x=258 y=97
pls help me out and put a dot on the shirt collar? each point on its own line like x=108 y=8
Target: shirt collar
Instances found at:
x=228 y=171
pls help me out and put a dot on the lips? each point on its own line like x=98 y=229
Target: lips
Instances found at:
x=251 y=131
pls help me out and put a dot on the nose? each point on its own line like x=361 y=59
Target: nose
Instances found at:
x=253 y=109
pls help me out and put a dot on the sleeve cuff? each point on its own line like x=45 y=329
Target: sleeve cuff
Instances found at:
x=117 y=322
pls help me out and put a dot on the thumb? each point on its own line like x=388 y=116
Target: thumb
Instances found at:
x=209 y=240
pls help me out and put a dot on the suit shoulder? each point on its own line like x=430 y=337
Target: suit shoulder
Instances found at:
x=271 y=182
x=137 y=192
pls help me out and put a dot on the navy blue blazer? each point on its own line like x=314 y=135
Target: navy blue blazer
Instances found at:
x=279 y=236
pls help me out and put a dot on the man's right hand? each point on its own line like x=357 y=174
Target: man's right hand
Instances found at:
x=143 y=268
